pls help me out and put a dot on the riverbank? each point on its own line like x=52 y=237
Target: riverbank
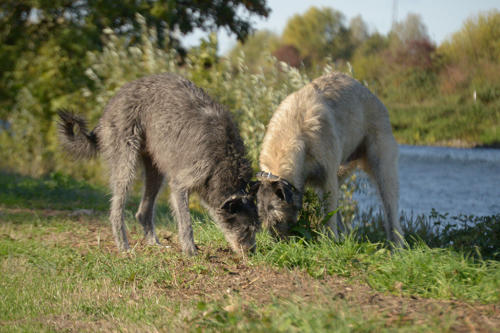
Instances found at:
x=456 y=143
x=449 y=123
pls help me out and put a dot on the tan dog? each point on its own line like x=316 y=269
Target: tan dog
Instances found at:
x=316 y=137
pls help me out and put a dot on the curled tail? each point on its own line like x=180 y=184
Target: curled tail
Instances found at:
x=74 y=136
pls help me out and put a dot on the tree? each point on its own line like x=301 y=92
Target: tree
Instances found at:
x=411 y=29
x=70 y=28
x=43 y=18
x=478 y=39
x=372 y=45
x=411 y=46
x=368 y=61
x=359 y=30
x=318 y=33
x=471 y=58
x=255 y=48
x=289 y=54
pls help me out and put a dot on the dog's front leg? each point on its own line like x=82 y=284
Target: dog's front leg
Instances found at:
x=331 y=202
x=180 y=205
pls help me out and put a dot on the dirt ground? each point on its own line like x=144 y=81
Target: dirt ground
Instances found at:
x=234 y=276
x=262 y=284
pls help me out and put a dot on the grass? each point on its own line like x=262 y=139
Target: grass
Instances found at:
x=420 y=270
x=60 y=271
x=54 y=191
x=454 y=123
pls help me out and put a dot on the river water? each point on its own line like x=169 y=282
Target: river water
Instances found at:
x=450 y=180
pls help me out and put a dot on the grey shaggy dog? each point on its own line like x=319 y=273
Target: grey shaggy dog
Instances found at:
x=179 y=133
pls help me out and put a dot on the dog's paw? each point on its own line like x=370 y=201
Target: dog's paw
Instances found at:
x=152 y=240
x=190 y=250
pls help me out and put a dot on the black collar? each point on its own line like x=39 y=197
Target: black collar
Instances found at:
x=269 y=176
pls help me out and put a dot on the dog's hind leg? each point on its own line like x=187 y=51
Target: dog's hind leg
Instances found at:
x=122 y=160
x=153 y=180
x=180 y=205
x=382 y=165
x=345 y=170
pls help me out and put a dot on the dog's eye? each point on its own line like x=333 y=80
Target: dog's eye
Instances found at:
x=280 y=193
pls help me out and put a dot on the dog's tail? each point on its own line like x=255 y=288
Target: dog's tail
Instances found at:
x=74 y=136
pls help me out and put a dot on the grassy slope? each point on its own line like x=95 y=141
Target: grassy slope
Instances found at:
x=60 y=271
x=447 y=123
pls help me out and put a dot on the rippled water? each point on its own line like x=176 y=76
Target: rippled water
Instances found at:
x=453 y=180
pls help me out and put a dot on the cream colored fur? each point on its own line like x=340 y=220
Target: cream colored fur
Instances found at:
x=319 y=133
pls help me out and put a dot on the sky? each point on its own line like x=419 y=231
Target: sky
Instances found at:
x=442 y=17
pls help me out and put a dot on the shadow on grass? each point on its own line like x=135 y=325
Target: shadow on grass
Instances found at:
x=57 y=191
x=53 y=191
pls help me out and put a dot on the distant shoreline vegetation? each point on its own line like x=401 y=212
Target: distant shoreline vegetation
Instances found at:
x=437 y=95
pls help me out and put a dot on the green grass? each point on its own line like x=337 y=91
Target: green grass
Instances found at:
x=61 y=272
x=446 y=122
x=51 y=285
x=295 y=315
x=419 y=270
x=55 y=191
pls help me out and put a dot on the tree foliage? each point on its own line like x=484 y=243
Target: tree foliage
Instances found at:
x=39 y=18
x=256 y=48
x=358 y=30
x=411 y=29
x=471 y=57
x=64 y=30
x=319 y=33
x=478 y=40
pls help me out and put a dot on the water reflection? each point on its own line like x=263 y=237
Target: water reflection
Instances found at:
x=453 y=180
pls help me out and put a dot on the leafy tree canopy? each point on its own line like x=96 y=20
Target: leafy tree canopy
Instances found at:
x=411 y=29
x=359 y=30
x=42 y=17
x=319 y=33
x=68 y=29
x=477 y=40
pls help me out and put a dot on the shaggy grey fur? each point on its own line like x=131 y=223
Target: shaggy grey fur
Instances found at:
x=179 y=133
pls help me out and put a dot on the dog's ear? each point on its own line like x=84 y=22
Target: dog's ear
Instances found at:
x=253 y=187
x=234 y=204
x=282 y=191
